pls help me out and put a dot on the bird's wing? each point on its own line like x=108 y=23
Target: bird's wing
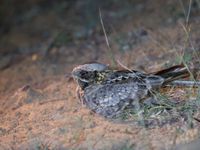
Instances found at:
x=111 y=94
x=173 y=73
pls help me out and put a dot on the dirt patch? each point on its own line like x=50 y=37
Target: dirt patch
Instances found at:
x=39 y=108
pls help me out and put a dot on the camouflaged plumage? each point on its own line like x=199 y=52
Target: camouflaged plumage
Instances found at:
x=108 y=92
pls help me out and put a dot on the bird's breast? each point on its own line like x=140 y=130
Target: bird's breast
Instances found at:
x=110 y=95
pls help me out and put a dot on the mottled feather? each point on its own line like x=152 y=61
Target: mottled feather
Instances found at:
x=108 y=92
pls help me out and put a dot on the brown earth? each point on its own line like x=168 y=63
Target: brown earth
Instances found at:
x=42 y=42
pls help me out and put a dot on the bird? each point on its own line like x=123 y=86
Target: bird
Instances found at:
x=110 y=92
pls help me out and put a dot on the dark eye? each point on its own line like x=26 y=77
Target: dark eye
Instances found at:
x=88 y=75
x=84 y=74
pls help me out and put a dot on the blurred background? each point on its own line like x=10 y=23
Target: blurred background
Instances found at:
x=41 y=41
x=41 y=38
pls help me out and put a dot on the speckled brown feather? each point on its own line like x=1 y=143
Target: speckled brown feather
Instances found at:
x=108 y=92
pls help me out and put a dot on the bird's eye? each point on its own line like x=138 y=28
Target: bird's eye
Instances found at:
x=87 y=75
x=84 y=74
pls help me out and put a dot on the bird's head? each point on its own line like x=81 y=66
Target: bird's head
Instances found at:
x=88 y=73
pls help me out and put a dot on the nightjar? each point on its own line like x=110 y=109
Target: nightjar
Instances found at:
x=109 y=92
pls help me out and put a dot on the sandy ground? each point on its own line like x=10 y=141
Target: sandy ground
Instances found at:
x=39 y=108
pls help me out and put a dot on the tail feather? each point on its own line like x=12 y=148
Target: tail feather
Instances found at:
x=173 y=73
